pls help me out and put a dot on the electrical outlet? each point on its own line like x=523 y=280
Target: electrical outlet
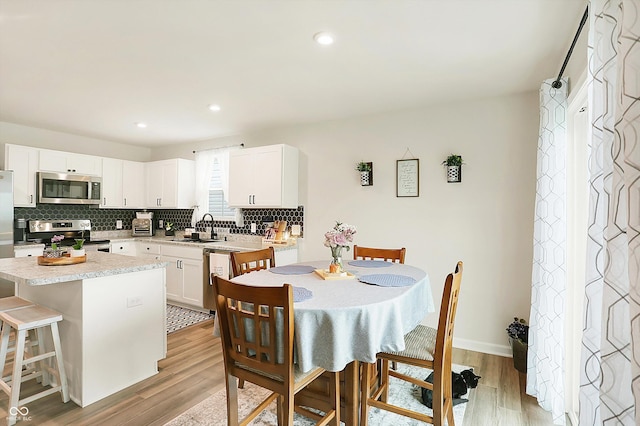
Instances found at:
x=118 y=224
x=134 y=301
x=160 y=223
x=253 y=228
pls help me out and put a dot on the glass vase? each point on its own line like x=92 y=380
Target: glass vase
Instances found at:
x=336 y=261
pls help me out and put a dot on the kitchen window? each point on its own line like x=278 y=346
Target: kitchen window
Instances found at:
x=218 y=207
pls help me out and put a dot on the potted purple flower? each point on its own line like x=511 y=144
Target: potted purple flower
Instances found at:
x=54 y=250
x=518 y=332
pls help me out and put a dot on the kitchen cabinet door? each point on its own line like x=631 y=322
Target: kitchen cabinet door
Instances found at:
x=111 y=183
x=174 y=278
x=184 y=280
x=264 y=177
x=133 y=184
x=170 y=183
x=68 y=162
x=24 y=163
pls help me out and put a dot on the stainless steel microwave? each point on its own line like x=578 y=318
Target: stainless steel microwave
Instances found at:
x=68 y=188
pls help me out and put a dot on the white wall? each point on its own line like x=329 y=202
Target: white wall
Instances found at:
x=40 y=138
x=485 y=221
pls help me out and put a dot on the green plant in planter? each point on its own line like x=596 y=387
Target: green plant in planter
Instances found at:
x=169 y=226
x=363 y=167
x=79 y=244
x=453 y=160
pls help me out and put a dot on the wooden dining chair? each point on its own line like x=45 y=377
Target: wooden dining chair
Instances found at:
x=424 y=347
x=257 y=327
x=243 y=262
x=393 y=255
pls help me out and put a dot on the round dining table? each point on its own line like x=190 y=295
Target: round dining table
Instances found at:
x=340 y=321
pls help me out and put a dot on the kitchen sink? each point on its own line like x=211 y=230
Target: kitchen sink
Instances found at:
x=188 y=240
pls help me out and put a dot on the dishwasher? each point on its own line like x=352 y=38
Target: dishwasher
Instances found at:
x=218 y=262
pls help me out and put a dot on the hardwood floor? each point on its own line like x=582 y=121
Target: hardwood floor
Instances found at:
x=193 y=371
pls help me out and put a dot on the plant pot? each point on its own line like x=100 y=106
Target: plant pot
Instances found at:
x=454 y=174
x=364 y=178
x=49 y=252
x=76 y=253
x=519 y=355
x=170 y=233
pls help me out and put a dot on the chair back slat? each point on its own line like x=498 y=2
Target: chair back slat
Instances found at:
x=256 y=326
x=370 y=253
x=243 y=262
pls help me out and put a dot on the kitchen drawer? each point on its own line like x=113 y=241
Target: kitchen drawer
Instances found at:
x=148 y=248
x=194 y=253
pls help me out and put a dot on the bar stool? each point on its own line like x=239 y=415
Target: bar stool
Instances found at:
x=24 y=320
x=9 y=304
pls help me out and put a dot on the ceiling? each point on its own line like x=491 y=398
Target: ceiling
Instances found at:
x=96 y=68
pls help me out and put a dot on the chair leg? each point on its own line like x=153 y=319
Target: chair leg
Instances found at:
x=384 y=380
x=232 y=400
x=16 y=378
x=287 y=409
x=240 y=383
x=62 y=375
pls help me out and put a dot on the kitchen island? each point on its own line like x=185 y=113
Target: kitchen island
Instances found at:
x=113 y=331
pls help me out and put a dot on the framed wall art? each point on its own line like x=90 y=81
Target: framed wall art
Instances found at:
x=408 y=178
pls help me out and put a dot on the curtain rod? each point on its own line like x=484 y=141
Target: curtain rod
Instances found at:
x=558 y=84
x=228 y=146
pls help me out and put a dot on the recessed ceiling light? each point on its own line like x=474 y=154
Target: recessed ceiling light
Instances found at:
x=324 y=38
x=214 y=107
x=141 y=125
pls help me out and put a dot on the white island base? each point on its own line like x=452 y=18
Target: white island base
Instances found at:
x=113 y=333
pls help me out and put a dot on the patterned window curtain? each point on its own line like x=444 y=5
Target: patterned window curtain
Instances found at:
x=610 y=369
x=545 y=356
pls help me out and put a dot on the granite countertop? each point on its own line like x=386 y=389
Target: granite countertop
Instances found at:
x=220 y=245
x=25 y=270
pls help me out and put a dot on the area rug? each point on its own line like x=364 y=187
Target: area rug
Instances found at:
x=213 y=410
x=179 y=317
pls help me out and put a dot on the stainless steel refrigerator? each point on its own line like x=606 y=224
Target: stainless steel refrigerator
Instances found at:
x=6 y=226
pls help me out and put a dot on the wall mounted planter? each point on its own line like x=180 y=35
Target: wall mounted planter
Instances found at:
x=454 y=174
x=366 y=176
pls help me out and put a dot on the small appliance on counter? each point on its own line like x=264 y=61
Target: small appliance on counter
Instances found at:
x=142 y=225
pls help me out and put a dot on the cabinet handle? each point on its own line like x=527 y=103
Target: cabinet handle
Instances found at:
x=105 y=201
x=125 y=201
x=31 y=198
x=249 y=199
x=254 y=199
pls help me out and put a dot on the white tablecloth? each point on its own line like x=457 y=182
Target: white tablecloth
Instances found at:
x=347 y=320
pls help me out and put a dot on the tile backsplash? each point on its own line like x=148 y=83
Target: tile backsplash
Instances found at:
x=105 y=219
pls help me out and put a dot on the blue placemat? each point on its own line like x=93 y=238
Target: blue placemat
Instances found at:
x=370 y=263
x=300 y=294
x=292 y=269
x=387 y=280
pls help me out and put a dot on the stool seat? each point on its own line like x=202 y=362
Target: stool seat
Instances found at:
x=31 y=317
x=13 y=302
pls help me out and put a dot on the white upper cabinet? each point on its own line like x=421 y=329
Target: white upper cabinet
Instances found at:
x=68 y=162
x=133 y=184
x=264 y=177
x=23 y=161
x=170 y=183
x=122 y=184
x=111 y=183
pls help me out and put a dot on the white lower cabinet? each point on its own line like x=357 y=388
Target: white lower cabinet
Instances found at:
x=184 y=274
x=28 y=252
x=286 y=257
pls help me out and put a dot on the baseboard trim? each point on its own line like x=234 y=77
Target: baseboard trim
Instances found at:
x=487 y=348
